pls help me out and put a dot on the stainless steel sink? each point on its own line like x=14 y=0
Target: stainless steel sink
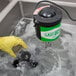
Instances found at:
x=65 y=46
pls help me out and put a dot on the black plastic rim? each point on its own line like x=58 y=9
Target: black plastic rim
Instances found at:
x=48 y=22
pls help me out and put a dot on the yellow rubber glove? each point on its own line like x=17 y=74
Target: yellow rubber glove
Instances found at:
x=8 y=42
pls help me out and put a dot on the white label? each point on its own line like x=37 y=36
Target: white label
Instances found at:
x=52 y=34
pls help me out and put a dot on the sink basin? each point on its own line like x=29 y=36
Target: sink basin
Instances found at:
x=63 y=48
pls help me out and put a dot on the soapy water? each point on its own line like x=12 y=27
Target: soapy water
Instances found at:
x=54 y=59
x=47 y=58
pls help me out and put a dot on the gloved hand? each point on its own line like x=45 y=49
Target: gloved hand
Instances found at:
x=8 y=42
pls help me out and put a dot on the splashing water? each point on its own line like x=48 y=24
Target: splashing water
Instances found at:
x=55 y=59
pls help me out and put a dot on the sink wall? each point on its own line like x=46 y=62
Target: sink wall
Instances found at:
x=11 y=19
